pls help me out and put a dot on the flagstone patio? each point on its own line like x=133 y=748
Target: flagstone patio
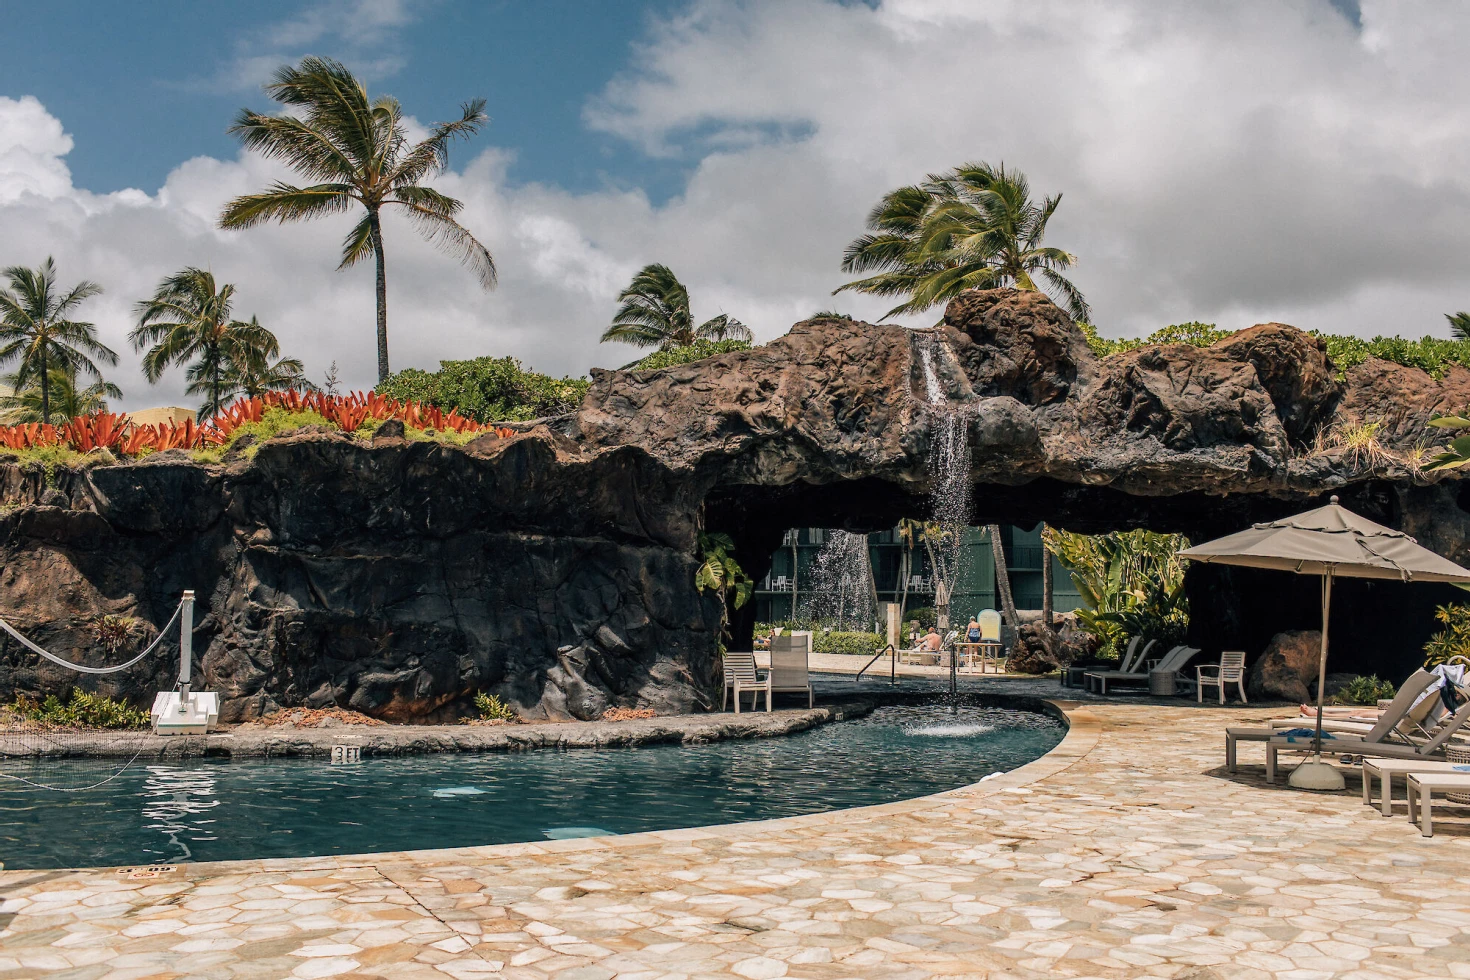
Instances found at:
x=1127 y=851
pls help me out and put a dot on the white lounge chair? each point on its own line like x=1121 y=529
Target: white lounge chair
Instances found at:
x=1132 y=663
x=1367 y=745
x=1230 y=670
x=741 y=676
x=788 y=673
x=1387 y=724
x=1171 y=662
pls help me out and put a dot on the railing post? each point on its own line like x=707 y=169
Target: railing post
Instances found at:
x=186 y=644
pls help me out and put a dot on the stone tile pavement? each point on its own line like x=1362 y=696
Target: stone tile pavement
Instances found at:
x=1125 y=852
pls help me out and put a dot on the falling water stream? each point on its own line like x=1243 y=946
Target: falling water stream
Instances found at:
x=840 y=593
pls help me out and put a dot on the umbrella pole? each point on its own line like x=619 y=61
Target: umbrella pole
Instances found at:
x=1322 y=659
x=1316 y=774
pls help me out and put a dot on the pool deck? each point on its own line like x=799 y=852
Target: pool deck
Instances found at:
x=1126 y=851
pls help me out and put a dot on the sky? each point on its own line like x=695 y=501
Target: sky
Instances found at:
x=1303 y=161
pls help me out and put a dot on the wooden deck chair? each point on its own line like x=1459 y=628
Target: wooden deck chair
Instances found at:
x=741 y=676
x=789 y=669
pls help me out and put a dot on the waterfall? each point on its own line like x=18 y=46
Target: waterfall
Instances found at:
x=839 y=593
x=949 y=465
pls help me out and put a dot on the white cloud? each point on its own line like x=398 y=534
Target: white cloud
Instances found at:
x=1233 y=163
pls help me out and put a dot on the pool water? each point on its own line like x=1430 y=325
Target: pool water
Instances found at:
x=218 y=810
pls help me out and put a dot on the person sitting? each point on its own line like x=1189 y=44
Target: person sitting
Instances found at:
x=932 y=641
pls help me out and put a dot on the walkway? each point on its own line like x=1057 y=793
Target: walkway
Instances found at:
x=1126 y=852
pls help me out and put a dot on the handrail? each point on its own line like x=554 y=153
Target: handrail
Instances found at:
x=892 y=666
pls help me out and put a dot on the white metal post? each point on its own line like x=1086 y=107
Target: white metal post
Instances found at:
x=186 y=645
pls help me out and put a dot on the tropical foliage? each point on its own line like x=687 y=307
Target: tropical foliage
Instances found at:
x=697 y=351
x=356 y=152
x=491 y=708
x=1459 y=325
x=355 y=413
x=1453 y=639
x=655 y=313
x=720 y=572
x=82 y=710
x=188 y=322
x=852 y=642
x=1131 y=583
x=973 y=227
x=66 y=400
x=488 y=389
x=36 y=330
x=1457 y=453
x=1364 y=690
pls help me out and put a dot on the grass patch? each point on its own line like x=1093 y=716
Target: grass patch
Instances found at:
x=53 y=458
x=274 y=422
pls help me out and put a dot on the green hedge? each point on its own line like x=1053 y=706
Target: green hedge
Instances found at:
x=1434 y=355
x=863 y=644
x=488 y=389
x=697 y=351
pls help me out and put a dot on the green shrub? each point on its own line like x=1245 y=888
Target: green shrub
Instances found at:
x=925 y=615
x=1451 y=641
x=697 y=351
x=82 y=711
x=1364 y=690
x=488 y=389
x=490 y=706
x=837 y=641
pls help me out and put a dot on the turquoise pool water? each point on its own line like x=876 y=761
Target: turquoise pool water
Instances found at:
x=213 y=810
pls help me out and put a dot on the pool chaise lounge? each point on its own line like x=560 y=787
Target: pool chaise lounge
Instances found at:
x=1364 y=746
x=1388 y=722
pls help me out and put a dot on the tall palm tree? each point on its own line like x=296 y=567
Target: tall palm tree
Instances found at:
x=355 y=151
x=1459 y=325
x=66 y=400
x=974 y=227
x=655 y=313
x=188 y=322
x=34 y=329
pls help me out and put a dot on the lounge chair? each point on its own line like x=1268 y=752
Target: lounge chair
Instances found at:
x=1388 y=722
x=1230 y=670
x=1097 y=680
x=741 y=676
x=788 y=673
x=1171 y=663
x=1366 y=745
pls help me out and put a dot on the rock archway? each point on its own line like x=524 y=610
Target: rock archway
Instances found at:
x=556 y=566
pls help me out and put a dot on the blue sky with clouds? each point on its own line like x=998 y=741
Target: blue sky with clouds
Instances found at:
x=1305 y=161
x=144 y=85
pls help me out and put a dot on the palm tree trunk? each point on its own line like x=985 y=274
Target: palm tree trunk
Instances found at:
x=377 y=233
x=45 y=389
x=795 y=568
x=905 y=569
x=1046 y=581
x=1002 y=575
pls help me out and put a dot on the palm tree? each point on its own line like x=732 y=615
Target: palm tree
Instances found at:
x=256 y=374
x=34 y=328
x=188 y=322
x=655 y=313
x=65 y=398
x=974 y=227
x=1459 y=325
x=355 y=150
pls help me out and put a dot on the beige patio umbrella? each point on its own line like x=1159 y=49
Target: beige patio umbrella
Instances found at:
x=1330 y=541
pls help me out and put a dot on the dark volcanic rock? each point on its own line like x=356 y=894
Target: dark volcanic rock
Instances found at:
x=1288 y=668
x=555 y=566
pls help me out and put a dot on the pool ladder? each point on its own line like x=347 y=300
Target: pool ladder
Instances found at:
x=892 y=665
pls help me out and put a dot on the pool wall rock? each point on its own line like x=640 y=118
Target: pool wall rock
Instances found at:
x=555 y=567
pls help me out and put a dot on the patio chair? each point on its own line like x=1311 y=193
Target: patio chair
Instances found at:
x=1364 y=745
x=1097 y=680
x=789 y=669
x=741 y=676
x=1230 y=670
x=1388 y=722
x=1170 y=663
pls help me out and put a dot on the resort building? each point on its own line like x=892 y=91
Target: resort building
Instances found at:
x=791 y=577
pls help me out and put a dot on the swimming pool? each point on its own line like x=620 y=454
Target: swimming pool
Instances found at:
x=209 y=810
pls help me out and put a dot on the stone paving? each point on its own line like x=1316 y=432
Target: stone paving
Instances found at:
x=1127 y=851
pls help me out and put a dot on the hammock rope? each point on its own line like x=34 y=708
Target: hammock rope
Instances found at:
x=94 y=670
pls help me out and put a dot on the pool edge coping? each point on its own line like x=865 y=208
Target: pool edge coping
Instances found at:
x=1084 y=730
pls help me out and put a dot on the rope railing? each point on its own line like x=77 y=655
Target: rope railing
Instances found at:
x=80 y=668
